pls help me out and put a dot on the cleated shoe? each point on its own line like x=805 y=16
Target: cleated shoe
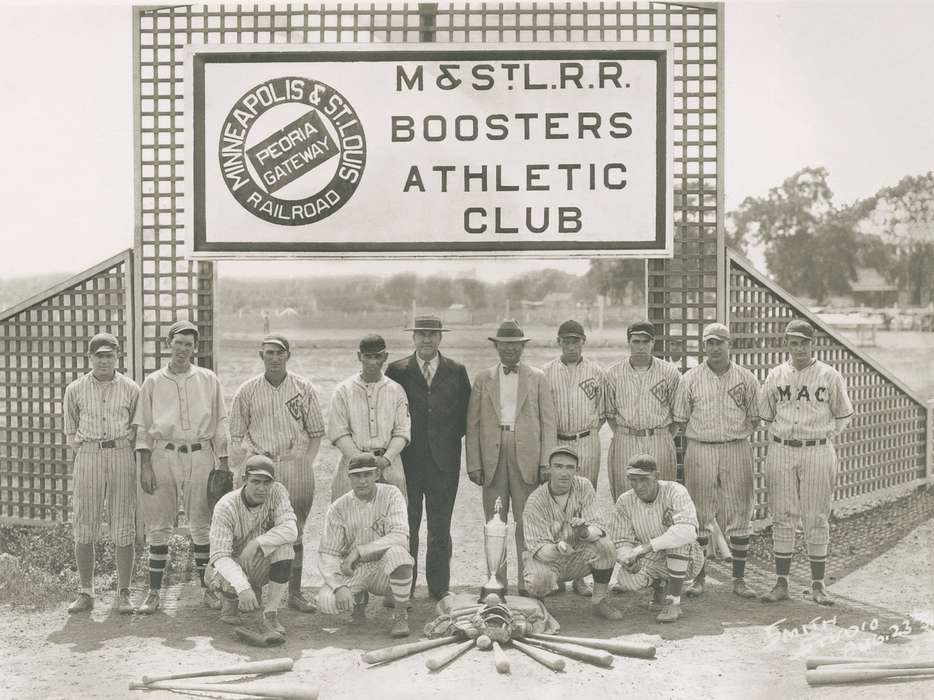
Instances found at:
x=256 y=632
x=210 y=600
x=742 y=590
x=230 y=610
x=272 y=622
x=659 y=594
x=670 y=613
x=359 y=606
x=151 y=604
x=400 y=625
x=605 y=610
x=779 y=592
x=819 y=594
x=122 y=602
x=696 y=589
x=582 y=587
x=82 y=603
x=299 y=602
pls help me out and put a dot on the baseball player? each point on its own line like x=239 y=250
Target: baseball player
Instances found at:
x=564 y=536
x=252 y=536
x=364 y=548
x=277 y=414
x=639 y=395
x=806 y=405
x=99 y=408
x=655 y=533
x=369 y=413
x=716 y=402
x=181 y=434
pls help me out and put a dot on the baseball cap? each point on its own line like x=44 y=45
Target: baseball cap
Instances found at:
x=643 y=327
x=103 y=341
x=182 y=326
x=717 y=330
x=641 y=465
x=259 y=465
x=276 y=339
x=571 y=328
x=563 y=450
x=372 y=343
x=361 y=463
x=801 y=329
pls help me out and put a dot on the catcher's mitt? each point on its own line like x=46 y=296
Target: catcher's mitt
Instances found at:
x=220 y=481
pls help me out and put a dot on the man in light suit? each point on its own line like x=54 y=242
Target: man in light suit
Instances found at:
x=510 y=431
x=438 y=390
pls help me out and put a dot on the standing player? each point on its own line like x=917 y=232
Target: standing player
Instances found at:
x=364 y=548
x=510 y=432
x=251 y=544
x=369 y=414
x=639 y=395
x=655 y=533
x=181 y=435
x=564 y=534
x=99 y=408
x=277 y=414
x=806 y=405
x=438 y=389
x=717 y=402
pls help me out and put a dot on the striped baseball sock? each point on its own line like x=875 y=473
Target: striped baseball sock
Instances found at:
x=295 y=581
x=677 y=570
x=401 y=586
x=158 y=554
x=274 y=594
x=739 y=546
x=202 y=554
x=783 y=565
x=818 y=566
x=601 y=582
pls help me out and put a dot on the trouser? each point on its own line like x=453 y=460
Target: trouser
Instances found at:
x=257 y=573
x=104 y=477
x=624 y=447
x=541 y=578
x=655 y=567
x=369 y=576
x=719 y=479
x=180 y=478
x=438 y=487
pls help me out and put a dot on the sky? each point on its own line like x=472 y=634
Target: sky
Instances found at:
x=821 y=83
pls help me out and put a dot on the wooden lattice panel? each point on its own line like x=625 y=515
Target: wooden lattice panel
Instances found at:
x=885 y=444
x=43 y=346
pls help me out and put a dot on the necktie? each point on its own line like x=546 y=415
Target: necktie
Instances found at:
x=510 y=370
x=426 y=371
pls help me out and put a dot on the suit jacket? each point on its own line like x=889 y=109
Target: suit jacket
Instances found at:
x=439 y=413
x=536 y=431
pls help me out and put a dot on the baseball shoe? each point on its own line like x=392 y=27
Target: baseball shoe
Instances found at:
x=659 y=595
x=582 y=587
x=81 y=603
x=819 y=594
x=271 y=620
x=122 y=602
x=299 y=602
x=670 y=613
x=605 y=610
x=210 y=600
x=779 y=592
x=742 y=590
x=256 y=632
x=151 y=604
x=696 y=589
x=400 y=625
x=230 y=610
x=359 y=606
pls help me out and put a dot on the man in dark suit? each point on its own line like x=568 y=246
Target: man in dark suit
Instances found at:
x=438 y=390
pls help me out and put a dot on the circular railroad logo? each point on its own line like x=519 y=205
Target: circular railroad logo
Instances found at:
x=292 y=151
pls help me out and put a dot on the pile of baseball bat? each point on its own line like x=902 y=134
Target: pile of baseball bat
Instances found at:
x=264 y=689
x=832 y=670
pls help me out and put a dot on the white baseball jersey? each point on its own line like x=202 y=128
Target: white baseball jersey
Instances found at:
x=717 y=408
x=183 y=408
x=641 y=400
x=276 y=420
x=371 y=413
x=668 y=522
x=805 y=404
x=578 y=392
x=96 y=410
x=546 y=517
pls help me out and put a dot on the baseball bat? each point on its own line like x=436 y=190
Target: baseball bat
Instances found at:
x=830 y=676
x=499 y=656
x=441 y=660
x=267 y=666
x=642 y=651
x=721 y=548
x=547 y=659
x=378 y=656
x=575 y=652
x=289 y=691
x=815 y=661
x=924 y=663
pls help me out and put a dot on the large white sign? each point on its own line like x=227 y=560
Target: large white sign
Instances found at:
x=409 y=150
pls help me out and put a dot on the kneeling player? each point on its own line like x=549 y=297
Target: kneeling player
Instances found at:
x=655 y=532
x=252 y=533
x=563 y=536
x=365 y=547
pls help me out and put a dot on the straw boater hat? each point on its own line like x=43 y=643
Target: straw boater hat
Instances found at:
x=509 y=332
x=428 y=323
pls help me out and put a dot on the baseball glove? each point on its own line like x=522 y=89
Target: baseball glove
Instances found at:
x=220 y=481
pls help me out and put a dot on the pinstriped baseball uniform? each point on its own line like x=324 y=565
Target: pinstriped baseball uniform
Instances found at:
x=281 y=421
x=379 y=529
x=810 y=404
x=578 y=393
x=98 y=411
x=721 y=412
x=669 y=523
x=546 y=520
x=271 y=523
x=371 y=414
x=640 y=400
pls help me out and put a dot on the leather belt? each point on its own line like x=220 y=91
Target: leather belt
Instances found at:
x=718 y=442
x=107 y=444
x=508 y=428
x=574 y=436
x=647 y=432
x=183 y=449
x=799 y=443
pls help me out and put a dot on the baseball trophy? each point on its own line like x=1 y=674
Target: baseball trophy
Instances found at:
x=494 y=544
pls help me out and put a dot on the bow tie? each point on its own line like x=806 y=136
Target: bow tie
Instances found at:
x=510 y=370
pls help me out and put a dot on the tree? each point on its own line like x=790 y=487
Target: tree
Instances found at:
x=615 y=279
x=436 y=291
x=399 y=290
x=472 y=292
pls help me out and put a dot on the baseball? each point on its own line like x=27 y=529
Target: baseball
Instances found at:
x=484 y=643
x=563 y=547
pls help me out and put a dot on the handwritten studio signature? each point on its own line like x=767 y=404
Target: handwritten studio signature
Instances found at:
x=820 y=632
